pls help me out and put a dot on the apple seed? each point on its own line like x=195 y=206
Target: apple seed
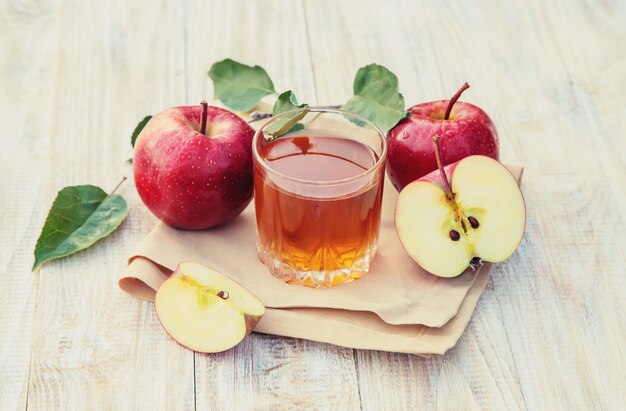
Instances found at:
x=454 y=235
x=473 y=222
x=223 y=295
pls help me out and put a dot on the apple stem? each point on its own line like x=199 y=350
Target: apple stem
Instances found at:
x=118 y=185
x=205 y=109
x=442 y=171
x=454 y=99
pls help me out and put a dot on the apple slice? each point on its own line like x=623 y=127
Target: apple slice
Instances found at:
x=205 y=310
x=447 y=227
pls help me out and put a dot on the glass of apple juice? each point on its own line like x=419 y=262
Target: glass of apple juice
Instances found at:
x=317 y=190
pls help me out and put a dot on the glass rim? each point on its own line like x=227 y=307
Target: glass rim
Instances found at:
x=377 y=165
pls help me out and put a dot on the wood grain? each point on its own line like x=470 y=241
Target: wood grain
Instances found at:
x=520 y=78
x=548 y=330
x=266 y=372
x=568 y=250
x=26 y=92
x=92 y=347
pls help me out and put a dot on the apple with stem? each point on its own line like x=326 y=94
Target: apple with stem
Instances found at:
x=447 y=226
x=465 y=130
x=205 y=310
x=193 y=166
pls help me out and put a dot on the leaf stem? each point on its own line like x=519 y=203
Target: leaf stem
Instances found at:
x=118 y=185
x=454 y=99
x=442 y=171
x=258 y=116
x=205 y=109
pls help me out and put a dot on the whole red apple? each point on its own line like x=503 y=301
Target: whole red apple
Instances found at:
x=465 y=130
x=193 y=166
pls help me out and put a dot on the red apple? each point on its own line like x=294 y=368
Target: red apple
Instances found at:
x=465 y=130
x=193 y=166
x=477 y=215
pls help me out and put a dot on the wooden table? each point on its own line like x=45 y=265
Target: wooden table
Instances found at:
x=549 y=330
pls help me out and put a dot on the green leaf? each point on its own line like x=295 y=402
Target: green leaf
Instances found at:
x=138 y=129
x=286 y=101
x=296 y=127
x=79 y=216
x=287 y=123
x=239 y=86
x=376 y=97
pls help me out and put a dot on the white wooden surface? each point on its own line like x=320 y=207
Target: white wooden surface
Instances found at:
x=549 y=330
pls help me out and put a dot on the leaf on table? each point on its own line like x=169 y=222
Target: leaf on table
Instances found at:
x=287 y=123
x=376 y=97
x=79 y=216
x=239 y=86
x=138 y=129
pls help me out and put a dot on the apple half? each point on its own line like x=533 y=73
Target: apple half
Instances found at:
x=205 y=310
x=448 y=226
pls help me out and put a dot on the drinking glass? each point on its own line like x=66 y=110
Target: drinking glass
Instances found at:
x=318 y=191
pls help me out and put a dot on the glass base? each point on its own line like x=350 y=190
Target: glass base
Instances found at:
x=328 y=278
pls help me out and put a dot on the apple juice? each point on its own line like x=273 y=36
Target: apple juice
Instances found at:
x=318 y=214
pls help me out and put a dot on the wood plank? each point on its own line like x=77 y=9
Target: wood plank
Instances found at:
x=25 y=95
x=526 y=92
x=557 y=298
x=93 y=346
x=547 y=331
x=265 y=372
x=590 y=47
x=478 y=373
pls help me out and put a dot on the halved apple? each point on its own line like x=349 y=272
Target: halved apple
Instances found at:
x=205 y=310
x=448 y=226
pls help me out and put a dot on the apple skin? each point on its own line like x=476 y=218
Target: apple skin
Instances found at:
x=435 y=176
x=411 y=154
x=190 y=180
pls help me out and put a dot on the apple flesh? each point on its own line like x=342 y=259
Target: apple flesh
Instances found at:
x=468 y=131
x=192 y=179
x=205 y=310
x=483 y=217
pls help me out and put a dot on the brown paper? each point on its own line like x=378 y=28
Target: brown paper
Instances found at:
x=353 y=329
x=395 y=307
